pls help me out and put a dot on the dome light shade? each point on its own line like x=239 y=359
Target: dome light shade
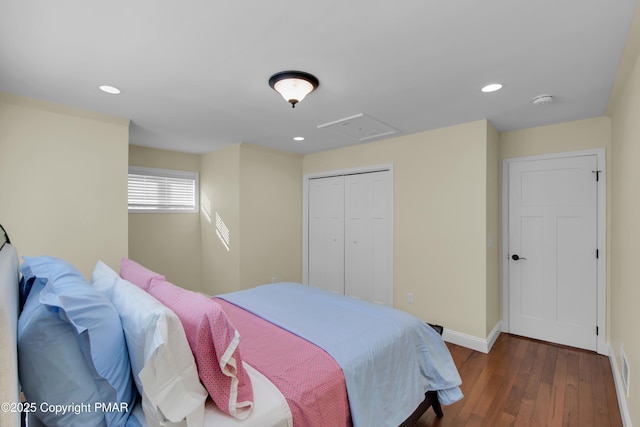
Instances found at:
x=492 y=87
x=110 y=89
x=293 y=85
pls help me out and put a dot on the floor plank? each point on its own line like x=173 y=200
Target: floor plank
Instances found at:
x=525 y=382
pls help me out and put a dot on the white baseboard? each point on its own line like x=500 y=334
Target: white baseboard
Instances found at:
x=620 y=391
x=493 y=336
x=482 y=345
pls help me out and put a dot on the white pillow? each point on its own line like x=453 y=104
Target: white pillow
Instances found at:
x=161 y=360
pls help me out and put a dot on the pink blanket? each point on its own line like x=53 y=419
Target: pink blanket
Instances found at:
x=310 y=380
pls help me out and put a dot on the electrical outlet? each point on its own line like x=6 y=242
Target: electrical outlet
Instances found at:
x=625 y=370
x=410 y=297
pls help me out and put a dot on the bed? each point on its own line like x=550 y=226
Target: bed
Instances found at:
x=276 y=355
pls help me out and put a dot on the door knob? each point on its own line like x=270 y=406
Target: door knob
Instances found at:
x=516 y=257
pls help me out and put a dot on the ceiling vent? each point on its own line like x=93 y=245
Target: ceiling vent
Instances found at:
x=360 y=127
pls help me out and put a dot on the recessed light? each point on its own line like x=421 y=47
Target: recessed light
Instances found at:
x=492 y=87
x=298 y=138
x=110 y=89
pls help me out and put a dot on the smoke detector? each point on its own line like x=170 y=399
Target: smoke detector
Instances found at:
x=542 y=100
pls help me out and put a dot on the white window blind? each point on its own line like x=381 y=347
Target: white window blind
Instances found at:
x=162 y=190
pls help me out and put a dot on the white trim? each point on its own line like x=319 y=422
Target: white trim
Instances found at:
x=305 y=213
x=493 y=336
x=601 y=343
x=620 y=391
x=471 y=342
x=350 y=171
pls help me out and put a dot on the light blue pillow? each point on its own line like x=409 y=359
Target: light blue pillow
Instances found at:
x=71 y=347
x=51 y=365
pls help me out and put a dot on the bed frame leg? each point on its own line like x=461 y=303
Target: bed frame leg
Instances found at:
x=435 y=403
x=430 y=400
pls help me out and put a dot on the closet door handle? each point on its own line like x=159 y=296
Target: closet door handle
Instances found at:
x=516 y=257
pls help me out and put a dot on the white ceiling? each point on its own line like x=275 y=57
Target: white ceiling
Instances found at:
x=194 y=73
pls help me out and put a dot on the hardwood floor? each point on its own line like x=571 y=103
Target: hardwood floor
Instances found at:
x=524 y=382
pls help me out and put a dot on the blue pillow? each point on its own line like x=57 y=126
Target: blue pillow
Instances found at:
x=71 y=348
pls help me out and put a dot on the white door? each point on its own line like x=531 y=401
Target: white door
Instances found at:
x=552 y=250
x=368 y=245
x=326 y=233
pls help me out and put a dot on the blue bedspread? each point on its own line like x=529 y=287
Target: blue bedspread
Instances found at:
x=389 y=358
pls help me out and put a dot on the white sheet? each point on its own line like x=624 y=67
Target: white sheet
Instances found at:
x=270 y=408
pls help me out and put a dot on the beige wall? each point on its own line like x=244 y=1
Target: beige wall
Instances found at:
x=625 y=229
x=492 y=240
x=270 y=216
x=257 y=193
x=564 y=137
x=440 y=219
x=63 y=186
x=168 y=243
x=220 y=198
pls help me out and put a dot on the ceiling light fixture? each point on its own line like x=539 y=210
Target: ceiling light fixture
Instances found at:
x=542 y=99
x=492 y=87
x=298 y=138
x=293 y=85
x=110 y=89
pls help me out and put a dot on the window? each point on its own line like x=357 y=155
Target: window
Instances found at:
x=154 y=190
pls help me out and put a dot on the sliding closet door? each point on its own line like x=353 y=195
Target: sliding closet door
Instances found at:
x=326 y=233
x=368 y=245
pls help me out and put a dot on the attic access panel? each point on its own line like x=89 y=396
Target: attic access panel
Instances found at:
x=360 y=127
